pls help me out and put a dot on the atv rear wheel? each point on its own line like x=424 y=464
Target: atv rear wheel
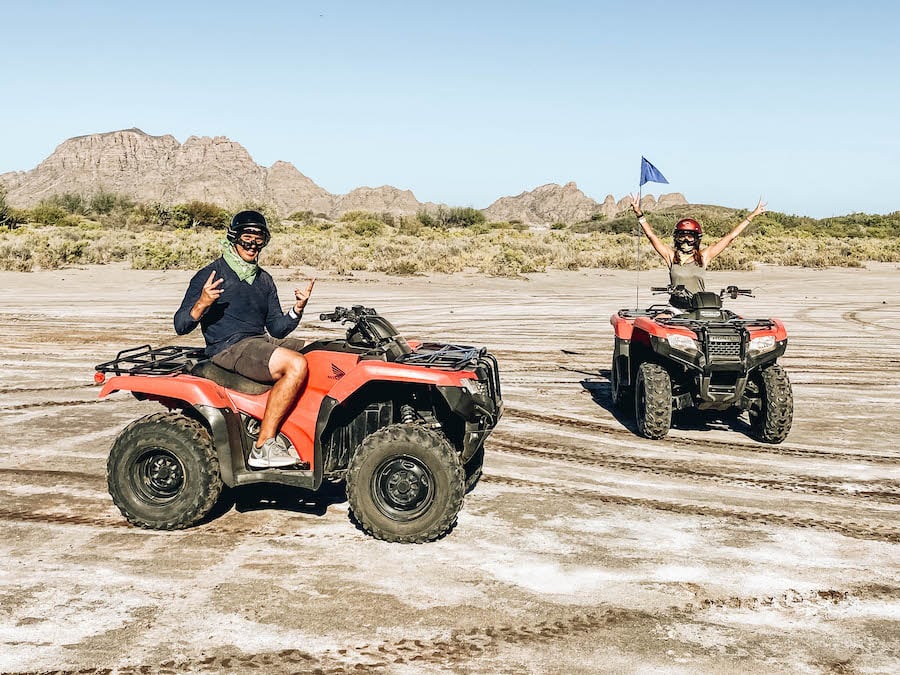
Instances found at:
x=653 y=400
x=405 y=484
x=772 y=408
x=617 y=391
x=163 y=472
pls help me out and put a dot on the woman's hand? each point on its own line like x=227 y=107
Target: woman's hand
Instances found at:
x=760 y=208
x=636 y=205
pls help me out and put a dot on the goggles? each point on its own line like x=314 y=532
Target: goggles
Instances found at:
x=251 y=245
x=684 y=236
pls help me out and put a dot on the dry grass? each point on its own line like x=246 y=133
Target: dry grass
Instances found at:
x=346 y=247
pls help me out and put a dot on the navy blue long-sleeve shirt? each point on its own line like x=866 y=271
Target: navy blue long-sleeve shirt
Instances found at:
x=243 y=310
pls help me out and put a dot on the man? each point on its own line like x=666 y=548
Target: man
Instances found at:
x=235 y=302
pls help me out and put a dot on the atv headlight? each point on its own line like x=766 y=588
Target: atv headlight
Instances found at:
x=474 y=387
x=682 y=343
x=761 y=345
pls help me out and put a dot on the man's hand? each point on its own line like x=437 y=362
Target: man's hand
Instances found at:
x=302 y=297
x=210 y=293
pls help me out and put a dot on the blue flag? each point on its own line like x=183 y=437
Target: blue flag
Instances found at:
x=650 y=174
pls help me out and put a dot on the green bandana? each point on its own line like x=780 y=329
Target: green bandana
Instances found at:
x=246 y=271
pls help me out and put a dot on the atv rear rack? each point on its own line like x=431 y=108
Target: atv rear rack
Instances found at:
x=145 y=360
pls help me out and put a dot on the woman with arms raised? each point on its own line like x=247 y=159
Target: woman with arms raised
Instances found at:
x=686 y=260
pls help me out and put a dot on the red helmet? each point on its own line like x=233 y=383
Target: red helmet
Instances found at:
x=688 y=225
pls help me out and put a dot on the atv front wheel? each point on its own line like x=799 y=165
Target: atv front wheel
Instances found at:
x=653 y=400
x=163 y=472
x=405 y=484
x=772 y=407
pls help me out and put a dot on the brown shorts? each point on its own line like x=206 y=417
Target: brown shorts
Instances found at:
x=250 y=357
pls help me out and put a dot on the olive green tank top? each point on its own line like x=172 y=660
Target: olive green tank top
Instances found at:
x=688 y=274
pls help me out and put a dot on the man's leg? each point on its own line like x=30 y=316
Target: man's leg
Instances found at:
x=289 y=370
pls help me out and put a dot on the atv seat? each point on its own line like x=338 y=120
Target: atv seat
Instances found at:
x=228 y=379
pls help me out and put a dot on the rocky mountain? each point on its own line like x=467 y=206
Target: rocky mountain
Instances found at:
x=567 y=204
x=219 y=170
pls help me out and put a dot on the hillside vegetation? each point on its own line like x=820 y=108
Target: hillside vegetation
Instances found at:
x=70 y=229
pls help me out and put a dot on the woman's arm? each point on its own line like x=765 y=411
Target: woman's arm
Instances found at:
x=665 y=252
x=711 y=252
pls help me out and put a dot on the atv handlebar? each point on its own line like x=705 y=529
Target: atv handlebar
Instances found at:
x=343 y=314
x=730 y=291
x=733 y=291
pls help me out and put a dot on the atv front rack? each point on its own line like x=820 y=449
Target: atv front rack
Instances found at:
x=735 y=320
x=445 y=357
x=457 y=357
x=144 y=360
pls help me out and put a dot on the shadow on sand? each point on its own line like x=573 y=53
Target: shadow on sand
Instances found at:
x=690 y=419
x=265 y=496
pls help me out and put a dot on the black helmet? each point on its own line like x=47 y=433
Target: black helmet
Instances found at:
x=248 y=221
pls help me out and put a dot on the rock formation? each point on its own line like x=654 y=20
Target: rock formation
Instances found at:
x=546 y=204
x=218 y=170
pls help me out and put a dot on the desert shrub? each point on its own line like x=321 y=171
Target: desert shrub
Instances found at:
x=104 y=203
x=10 y=218
x=444 y=217
x=59 y=252
x=353 y=216
x=16 y=256
x=558 y=226
x=47 y=213
x=410 y=226
x=367 y=227
x=305 y=217
x=426 y=219
x=402 y=267
x=464 y=217
x=70 y=202
x=199 y=214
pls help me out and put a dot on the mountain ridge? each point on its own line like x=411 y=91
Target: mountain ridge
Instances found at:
x=218 y=170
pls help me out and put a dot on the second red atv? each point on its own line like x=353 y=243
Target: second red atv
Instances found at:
x=706 y=357
x=402 y=423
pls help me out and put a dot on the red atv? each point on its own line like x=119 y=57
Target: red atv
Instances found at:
x=706 y=357
x=402 y=423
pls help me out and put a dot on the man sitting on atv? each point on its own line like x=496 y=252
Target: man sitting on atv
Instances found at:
x=235 y=302
x=687 y=261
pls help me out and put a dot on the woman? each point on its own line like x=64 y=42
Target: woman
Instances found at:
x=687 y=261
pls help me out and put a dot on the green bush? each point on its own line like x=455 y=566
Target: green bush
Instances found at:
x=47 y=213
x=10 y=218
x=305 y=217
x=367 y=227
x=196 y=214
x=426 y=219
x=444 y=217
x=70 y=202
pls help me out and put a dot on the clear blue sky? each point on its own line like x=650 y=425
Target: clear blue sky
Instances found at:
x=464 y=102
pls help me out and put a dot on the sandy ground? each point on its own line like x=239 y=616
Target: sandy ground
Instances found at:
x=585 y=548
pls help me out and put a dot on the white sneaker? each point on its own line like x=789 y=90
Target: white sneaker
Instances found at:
x=273 y=453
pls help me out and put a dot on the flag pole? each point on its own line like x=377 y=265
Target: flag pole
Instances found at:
x=637 y=256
